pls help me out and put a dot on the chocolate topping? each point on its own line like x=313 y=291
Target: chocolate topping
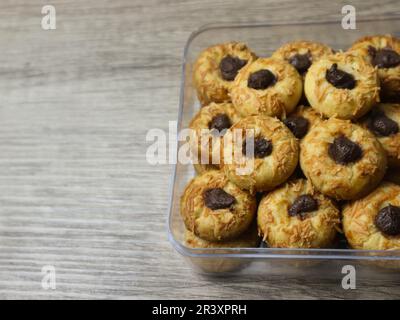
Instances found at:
x=339 y=78
x=261 y=79
x=384 y=58
x=381 y=125
x=219 y=124
x=298 y=126
x=301 y=62
x=303 y=204
x=388 y=220
x=344 y=151
x=217 y=198
x=262 y=147
x=230 y=66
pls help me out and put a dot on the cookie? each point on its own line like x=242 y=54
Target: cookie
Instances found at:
x=297 y=216
x=213 y=265
x=342 y=159
x=384 y=122
x=302 y=54
x=262 y=159
x=342 y=85
x=301 y=121
x=267 y=86
x=382 y=52
x=248 y=239
x=207 y=130
x=373 y=223
x=216 y=68
x=215 y=209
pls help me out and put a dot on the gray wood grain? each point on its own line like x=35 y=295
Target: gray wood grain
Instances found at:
x=75 y=189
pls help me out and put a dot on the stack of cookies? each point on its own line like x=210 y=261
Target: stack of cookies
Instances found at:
x=297 y=149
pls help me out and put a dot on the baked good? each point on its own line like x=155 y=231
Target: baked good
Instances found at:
x=248 y=239
x=260 y=152
x=267 y=86
x=384 y=122
x=208 y=127
x=301 y=54
x=383 y=52
x=342 y=159
x=342 y=85
x=297 y=216
x=216 y=68
x=215 y=209
x=373 y=223
x=301 y=121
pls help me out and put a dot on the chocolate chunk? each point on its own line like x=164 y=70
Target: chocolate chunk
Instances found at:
x=261 y=79
x=219 y=124
x=262 y=147
x=301 y=62
x=381 y=125
x=384 y=58
x=298 y=126
x=230 y=66
x=303 y=204
x=339 y=78
x=344 y=151
x=217 y=198
x=388 y=220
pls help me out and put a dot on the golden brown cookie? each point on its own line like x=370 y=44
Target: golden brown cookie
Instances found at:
x=384 y=122
x=342 y=160
x=297 y=216
x=301 y=121
x=215 y=209
x=302 y=54
x=207 y=130
x=383 y=52
x=373 y=223
x=248 y=239
x=216 y=68
x=270 y=87
x=342 y=85
x=270 y=162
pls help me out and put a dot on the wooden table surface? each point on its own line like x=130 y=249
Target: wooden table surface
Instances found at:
x=76 y=191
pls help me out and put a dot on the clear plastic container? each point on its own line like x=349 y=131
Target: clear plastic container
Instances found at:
x=326 y=263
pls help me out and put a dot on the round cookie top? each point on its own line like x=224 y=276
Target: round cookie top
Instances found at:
x=216 y=68
x=342 y=85
x=215 y=209
x=260 y=153
x=267 y=86
x=301 y=54
x=373 y=222
x=342 y=159
x=382 y=52
x=384 y=122
x=208 y=128
x=297 y=216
